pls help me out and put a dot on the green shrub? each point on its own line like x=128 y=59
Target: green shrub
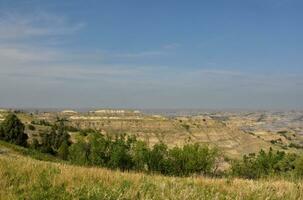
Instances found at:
x=35 y=144
x=294 y=145
x=158 y=159
x=126 y=153
x=63 y=151
x=299 y=166
x=41 y=123
x=2 y=135
x=53 y=139
x=186 y=126
x=264 y=164
x=79 y=153
x=31 y=127
x=140 y=155
x=13 y=130
x=192 y=159
x=86 y=132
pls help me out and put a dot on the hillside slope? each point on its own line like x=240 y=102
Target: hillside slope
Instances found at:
x=22 y=177
x=173 y=131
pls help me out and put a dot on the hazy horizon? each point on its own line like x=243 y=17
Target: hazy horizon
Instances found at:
x=152 y=54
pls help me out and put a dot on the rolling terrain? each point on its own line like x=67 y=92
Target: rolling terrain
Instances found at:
x=235 y=134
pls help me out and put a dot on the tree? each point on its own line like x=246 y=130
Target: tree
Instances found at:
x=35 y=144
x=120 y=157
x=99 y=154
x=13 y=130
x=79 y=153
x=46 y=143
x=54 y=138
x=31 y=127
x=299 y=166
x=63 y=151
x=157 y=158
x=140 y=152
x=61 y=135
x=264 y=164
x=1 y=132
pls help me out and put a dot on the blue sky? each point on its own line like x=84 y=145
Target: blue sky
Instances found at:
x=152 y=54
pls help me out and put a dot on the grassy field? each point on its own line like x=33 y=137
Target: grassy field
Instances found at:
x=22 y=177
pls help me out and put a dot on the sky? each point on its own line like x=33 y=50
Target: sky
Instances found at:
x=212 y=54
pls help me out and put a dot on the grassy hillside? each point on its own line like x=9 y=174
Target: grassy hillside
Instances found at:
x=22 y=177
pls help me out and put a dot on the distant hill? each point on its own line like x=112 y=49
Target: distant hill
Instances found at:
x=235 y=134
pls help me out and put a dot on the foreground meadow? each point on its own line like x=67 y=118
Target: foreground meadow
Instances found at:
x=26 y=178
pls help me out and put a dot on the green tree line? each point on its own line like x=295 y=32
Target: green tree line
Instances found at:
x=127 y=153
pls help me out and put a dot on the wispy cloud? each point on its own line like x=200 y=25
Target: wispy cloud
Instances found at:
x=23 y=38
x=70 y=72
x=17 y=26
x=142 y=54
x=171 y=46
x=217 y=72
x=12 y=55
x=161 y=51
x=20 y=34
x=25 y=59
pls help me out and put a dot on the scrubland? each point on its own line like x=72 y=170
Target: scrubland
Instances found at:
x=26 y=178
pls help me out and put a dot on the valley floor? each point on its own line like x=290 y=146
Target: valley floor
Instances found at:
x=22 y=177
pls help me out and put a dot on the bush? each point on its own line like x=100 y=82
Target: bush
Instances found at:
x=41 y=123
x=299 y=166
x=158 y=159
x=63 y=151
x=79 y=153
x=120 y=157
x=35 y=144
x=126 y=153
x=186 y=126
x=192 y=159
x=140 y=156
x=294 y=145
x=53 y=139
x=99 y=154
x=85 y=132
x=264 y=164
x=13 y=130
x=1 y=133
x=71 y=129
x=120 y=152
x=31 y=127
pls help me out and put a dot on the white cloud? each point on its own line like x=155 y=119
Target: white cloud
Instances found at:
x=55 y=72
x=19 y=38
x=142 y=54
x=162 y=51
x=171 y=46
x=11 y=55
x=217 y=72
x=16 y=26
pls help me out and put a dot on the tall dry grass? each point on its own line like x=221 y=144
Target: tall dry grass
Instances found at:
x=25 y=178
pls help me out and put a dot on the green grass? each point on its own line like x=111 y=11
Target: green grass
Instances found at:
x=22 y=177
x=27 y=152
